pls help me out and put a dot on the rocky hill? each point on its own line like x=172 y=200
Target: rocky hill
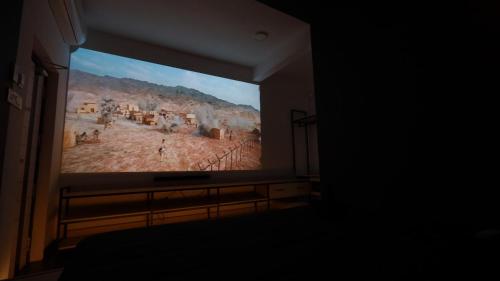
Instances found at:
x=135 y=90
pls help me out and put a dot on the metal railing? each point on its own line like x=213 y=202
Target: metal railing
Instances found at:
x=232 y=157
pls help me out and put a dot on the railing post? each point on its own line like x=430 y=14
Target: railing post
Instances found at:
x=218 y=201
x=218 y=159
x=66 y=210
x=235 y=155
x=210 y=164
x=225 y=161
x=241 y=150
x=59 y=212
x=231 y=165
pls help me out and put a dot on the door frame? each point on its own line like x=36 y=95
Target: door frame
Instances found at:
x=37 y=95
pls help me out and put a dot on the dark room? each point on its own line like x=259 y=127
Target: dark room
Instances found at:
x=248 y=140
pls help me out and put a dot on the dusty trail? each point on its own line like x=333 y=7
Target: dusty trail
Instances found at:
x=129 y=147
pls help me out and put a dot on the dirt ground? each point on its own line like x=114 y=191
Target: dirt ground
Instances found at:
x=130 y=147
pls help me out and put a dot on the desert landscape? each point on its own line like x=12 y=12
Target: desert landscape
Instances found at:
x=126 y=125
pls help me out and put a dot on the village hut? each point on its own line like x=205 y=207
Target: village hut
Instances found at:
x=87 y=107
x=217 y=133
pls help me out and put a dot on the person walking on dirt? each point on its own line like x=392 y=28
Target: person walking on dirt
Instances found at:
x=96 y=135
x=162 y=150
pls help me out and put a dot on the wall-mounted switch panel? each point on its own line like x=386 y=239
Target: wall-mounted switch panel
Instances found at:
x=15 y=99
x=18 y=77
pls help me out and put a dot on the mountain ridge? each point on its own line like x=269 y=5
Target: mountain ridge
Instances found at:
x=81 y=80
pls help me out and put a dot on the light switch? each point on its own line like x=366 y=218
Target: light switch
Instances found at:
x=18 y=77
x=21 y=79
x=15 y=99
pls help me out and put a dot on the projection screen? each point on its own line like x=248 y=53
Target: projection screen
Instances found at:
x=127 y=115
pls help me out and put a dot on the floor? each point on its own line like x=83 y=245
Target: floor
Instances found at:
x=47 y=275
x=293 y=244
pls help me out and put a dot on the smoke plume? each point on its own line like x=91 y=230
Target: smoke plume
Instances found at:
x=207 y=119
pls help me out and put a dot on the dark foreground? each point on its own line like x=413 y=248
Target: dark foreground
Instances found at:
x=297 y=244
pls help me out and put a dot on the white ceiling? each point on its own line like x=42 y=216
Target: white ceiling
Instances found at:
x=217 y=29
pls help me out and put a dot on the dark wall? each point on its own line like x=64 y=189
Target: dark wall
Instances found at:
x=474 y=60
x=10 y=15
x=398 y=90
x=369 y=82
x=366 y=80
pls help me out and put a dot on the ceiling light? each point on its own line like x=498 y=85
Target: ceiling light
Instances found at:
x=260 y=35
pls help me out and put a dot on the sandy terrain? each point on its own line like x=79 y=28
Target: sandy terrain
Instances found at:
x=130 y=147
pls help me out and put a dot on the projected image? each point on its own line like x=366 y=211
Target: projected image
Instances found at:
x=126 y=115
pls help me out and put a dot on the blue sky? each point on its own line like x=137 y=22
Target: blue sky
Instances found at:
x=106 y=64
